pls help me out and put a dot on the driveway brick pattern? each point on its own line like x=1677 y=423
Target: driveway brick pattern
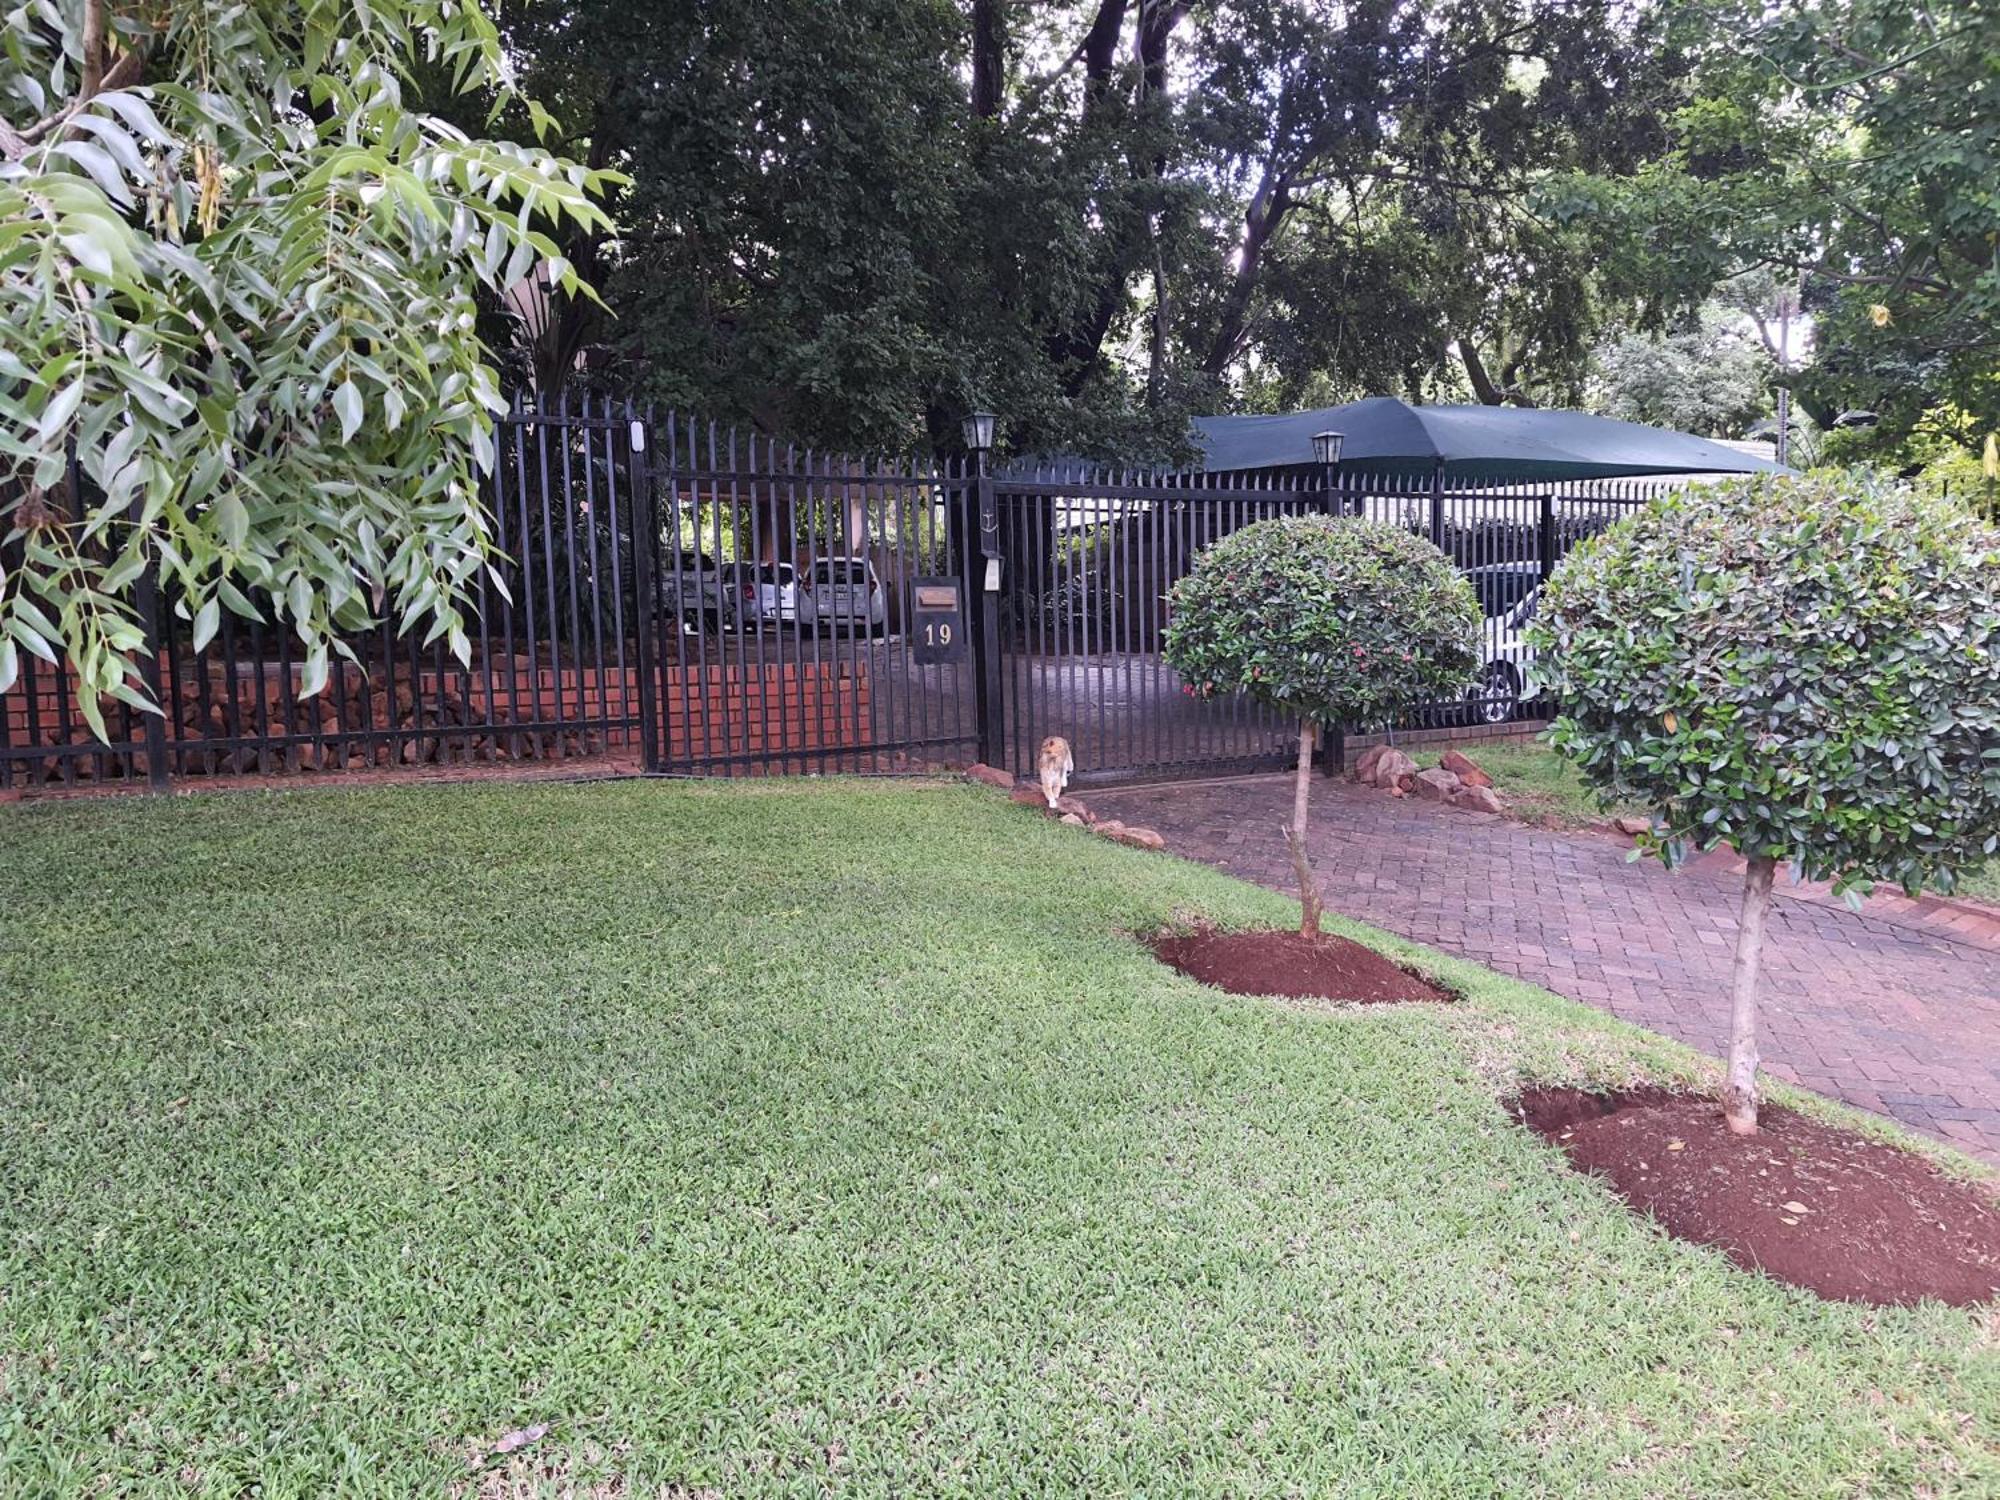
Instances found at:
x=1895 y=1008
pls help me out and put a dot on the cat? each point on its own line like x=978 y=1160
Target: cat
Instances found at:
x=1055 y=763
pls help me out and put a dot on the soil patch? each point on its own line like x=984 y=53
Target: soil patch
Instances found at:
x=1807 y=1203
x=1286 y=964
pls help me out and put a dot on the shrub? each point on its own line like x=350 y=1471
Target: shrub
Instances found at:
x=1807 y=670
x=1327 y=620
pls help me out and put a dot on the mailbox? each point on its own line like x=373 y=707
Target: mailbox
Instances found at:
x=937 y=620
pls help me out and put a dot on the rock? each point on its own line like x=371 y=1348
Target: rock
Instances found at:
x=1138 y=838
x=993 y=776
x=1392 y=768
x=1436 y=785
x=1028 y=795
x=1364 y=768
x=1070 y=807
x=1074 y=821
x=1476 y=798
x=1632 y=826
x=1464 y=768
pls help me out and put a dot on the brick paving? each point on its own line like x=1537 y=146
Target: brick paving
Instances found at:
x=1895 y=1008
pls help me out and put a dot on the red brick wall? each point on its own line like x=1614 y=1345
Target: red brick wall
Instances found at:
x=536 y=712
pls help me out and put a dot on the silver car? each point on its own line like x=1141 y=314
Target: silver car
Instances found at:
x=846 y=592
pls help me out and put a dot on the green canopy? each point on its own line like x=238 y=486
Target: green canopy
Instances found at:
x=1382 y=435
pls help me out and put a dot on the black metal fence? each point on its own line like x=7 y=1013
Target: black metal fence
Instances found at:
x=689 y=599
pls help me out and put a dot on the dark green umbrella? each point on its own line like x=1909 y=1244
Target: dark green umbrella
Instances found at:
x=1382 y=435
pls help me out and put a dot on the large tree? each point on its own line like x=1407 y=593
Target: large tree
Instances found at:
x=236 y=286
x=1851 y=147
x=851 y=220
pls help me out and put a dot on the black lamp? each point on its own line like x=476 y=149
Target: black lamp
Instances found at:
x=978 y=431
x=1326 y=448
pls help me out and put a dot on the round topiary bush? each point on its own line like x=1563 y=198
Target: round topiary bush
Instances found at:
x=1805 y=669
x=1328 y=620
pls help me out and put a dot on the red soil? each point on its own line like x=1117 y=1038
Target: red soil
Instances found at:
x=1284 y=963
x=1807 y=1203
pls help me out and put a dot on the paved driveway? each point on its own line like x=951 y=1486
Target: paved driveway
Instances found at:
x=1895 y=1008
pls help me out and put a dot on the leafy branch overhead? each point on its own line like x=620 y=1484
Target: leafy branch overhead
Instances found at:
x=237 y=278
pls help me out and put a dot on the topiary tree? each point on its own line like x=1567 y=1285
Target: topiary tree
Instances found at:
x=1806 y=670
x=1326 y=619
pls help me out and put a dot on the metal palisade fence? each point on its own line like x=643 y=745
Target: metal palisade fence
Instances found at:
x=673 y=596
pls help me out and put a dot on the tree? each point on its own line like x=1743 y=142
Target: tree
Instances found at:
x=1806 y=670
x=237 y=285
x=852 y=222
x=1329 y=620
x=1711 y=379
x=1850 y=146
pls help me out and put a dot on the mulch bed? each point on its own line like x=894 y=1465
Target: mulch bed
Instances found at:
x=1804 y=1202
x=1286 y=964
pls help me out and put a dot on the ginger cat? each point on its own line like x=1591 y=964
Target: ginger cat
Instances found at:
x=1054 y=763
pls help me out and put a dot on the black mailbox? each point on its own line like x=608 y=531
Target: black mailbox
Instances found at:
x=937 y=620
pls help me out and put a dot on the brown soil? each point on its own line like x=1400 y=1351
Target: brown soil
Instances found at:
x=1283 y=963
x=1807 y=1203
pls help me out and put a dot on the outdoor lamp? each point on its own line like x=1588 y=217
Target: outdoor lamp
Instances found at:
x=1326 y=448
x=979 y=431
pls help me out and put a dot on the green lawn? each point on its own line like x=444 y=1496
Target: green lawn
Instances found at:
x=795 y=1138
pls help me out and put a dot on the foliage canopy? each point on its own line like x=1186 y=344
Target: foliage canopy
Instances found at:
x=1328 y=619
x=237 y=282
x=1805 y=669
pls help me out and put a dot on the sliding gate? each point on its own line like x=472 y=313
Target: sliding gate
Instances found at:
x=1088 y=555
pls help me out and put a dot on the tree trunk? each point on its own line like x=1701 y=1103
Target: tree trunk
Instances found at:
x=1739 y=1094
x=1295 y=835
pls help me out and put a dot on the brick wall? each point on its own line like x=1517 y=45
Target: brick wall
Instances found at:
x=251 y=720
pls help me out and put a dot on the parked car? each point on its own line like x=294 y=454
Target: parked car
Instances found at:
x=771 y=594
x=1503 y=585
x=1506 y=679
x=846 y=593
x=703 y=593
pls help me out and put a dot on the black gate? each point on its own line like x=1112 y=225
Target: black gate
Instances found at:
x=1087 y=558
x=788 y=587
x=1088 y=555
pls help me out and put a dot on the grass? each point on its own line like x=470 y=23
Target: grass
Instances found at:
x=1540 y=787
x=796 y=1138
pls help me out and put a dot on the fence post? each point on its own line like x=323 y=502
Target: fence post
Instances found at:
x=149 y=672
x=645 y=543
x=1548 y=535
x=985 y=608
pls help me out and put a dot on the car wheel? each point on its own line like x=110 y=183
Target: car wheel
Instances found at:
x=1499 y=694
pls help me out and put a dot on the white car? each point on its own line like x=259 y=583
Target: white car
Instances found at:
x=846 y=592
x=1506 y=678
x=771 y=594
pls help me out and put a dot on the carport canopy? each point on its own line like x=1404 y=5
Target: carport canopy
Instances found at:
x=1383 y=435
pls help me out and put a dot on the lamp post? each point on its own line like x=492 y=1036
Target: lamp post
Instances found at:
x=1326 y=453
x=982 y=573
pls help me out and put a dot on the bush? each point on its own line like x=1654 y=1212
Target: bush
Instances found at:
x=1326 y=619
x=1807 y=670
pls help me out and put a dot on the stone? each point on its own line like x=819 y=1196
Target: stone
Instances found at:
x=1027 y=796
x=1363 y=769
x=1074 y=821
x=1392 y=768
x=1138 y=838
x=1070 y=807
x=1476 y=798
x=993 y=776
x=1464 y=768
x=1632 y=827
x=1436 y=784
